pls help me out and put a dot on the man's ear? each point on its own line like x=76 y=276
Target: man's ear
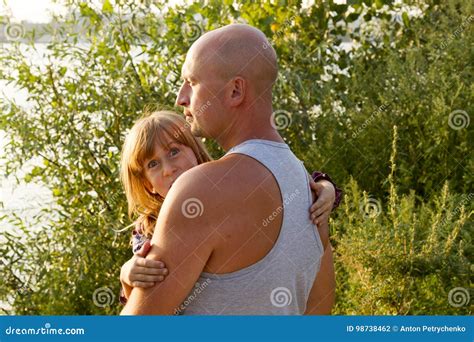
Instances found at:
x=238 y=91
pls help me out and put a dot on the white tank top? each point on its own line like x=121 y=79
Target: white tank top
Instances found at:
x=280 y=282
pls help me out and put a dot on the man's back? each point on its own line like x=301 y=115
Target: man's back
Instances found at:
x=248 y=195
x=268 y=252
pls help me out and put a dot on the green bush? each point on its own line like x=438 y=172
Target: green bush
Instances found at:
x=412 y=74
x=394 y=257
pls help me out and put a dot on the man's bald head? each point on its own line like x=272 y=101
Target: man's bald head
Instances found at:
x=227 y=84
x=238 y=50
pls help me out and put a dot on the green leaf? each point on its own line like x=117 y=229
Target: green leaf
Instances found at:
x=406 y=20
x=107 y=7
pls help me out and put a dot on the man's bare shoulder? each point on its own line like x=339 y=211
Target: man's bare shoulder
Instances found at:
x=215 y=176
x=217 y=186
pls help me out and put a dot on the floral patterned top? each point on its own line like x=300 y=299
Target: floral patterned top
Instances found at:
x=138 y=238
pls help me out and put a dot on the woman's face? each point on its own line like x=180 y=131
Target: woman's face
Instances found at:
x=166 y=165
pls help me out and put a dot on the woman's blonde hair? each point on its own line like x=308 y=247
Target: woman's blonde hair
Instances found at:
x=140 y=145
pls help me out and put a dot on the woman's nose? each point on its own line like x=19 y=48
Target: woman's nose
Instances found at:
x=168 y=169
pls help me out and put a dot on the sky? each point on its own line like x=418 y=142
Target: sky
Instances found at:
x=38 y=11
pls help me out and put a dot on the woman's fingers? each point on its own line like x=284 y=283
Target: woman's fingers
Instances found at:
x=143 y=262
x=316 y=212
x=144 y=249
x=147 y=278
x=314 y=186
x=142 y=284
x=323 y=219
x=315 y=206
x=150 y=271
x=321 y=215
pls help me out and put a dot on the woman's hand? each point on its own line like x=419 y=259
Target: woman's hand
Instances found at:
x=141 y=272
x=325 y=197
x=322 y=206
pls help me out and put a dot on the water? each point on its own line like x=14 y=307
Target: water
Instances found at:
x=24 y=199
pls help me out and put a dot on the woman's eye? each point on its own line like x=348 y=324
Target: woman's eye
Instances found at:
x=174 y=151
x=152 y=164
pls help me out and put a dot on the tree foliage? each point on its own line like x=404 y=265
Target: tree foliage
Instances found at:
x=407 y=69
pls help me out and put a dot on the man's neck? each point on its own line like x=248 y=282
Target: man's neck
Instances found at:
x=264 y=133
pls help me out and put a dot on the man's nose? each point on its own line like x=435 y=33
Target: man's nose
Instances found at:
x=182 y=99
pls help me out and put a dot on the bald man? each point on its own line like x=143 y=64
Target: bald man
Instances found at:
x=235 y=233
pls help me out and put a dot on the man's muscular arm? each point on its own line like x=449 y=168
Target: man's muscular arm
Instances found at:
x=323 y=293
x=183 y=241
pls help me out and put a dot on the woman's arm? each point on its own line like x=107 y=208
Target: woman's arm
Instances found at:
x=140 y=272
x=328 y=196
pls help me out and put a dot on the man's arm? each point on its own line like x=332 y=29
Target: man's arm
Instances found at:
x=183 y=240
x=322 y=296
